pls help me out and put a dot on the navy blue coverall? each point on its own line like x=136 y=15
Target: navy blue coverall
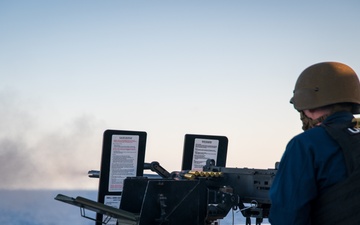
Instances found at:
x=311 y=163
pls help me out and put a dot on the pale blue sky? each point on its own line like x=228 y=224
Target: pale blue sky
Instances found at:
x=71 y=69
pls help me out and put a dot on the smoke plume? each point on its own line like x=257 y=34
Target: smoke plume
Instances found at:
x=33 y=155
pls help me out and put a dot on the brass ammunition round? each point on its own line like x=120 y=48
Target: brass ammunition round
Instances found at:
x=204 y=174
x=195 y=172
x=189 y=176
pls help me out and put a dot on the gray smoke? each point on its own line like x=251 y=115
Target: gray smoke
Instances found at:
x=55 y=157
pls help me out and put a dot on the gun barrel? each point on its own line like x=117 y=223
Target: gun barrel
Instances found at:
x=94 y=174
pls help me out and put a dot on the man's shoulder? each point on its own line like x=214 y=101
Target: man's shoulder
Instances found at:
x=313 y=138
x=314 y=132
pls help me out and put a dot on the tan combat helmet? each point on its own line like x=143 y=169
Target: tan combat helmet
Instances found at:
x=325 y=84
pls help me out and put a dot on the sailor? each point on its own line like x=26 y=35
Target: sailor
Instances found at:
x=315 y=163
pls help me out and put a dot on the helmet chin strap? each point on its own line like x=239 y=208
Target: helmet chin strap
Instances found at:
x=309 y=123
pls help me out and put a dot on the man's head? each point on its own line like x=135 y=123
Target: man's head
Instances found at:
x=327 y=84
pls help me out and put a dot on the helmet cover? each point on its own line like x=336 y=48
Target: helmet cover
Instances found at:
x=325 y=84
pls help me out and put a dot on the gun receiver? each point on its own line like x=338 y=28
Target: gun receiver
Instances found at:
x=250 y=188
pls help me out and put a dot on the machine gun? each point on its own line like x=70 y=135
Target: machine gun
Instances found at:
x=188 y=197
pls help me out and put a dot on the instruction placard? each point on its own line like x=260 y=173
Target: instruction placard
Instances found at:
x=204 y=149
x=123 y=160
x=113 y=201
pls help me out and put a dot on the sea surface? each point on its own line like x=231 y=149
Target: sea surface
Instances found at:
x=38 y=207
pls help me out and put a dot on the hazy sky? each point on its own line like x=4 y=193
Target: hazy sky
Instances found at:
x=72 y=69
